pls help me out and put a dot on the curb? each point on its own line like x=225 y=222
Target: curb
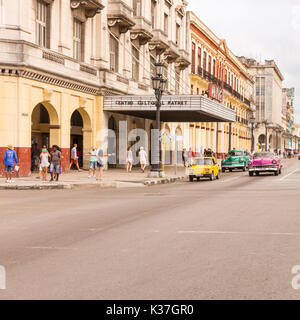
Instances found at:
x=163 y=181
x=78 y=186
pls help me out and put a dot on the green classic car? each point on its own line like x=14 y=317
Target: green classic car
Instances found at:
x=236 y=159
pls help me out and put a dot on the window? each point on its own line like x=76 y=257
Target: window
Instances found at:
x=166 y=24
x=135 y=63
x=205 y=61
x=137 y=8
x=193 y=58
x=177 y=34
x=192 y=89
x=177 y=83
x=42 y=24
x=78 y=40
x=153 y=13
x=214 y=68
x=114 y=54
x=199 y=57
x=209 y=64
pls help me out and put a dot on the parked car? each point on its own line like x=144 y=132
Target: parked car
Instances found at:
x=236 y=159
x=204 y=167
x=265 y=162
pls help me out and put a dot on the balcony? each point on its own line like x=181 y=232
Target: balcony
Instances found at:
x=172 y=53
x=159 y=42
x=184 y=60
x=119 y=17
x=91 y=7
x=141 y=31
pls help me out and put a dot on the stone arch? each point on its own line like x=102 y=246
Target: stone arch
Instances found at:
x=81 y=134
x=45 y=130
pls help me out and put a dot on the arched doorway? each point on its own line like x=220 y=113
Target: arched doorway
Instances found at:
x=44 y=130
x=77 y=134
x=262 y=142
x=81 y=134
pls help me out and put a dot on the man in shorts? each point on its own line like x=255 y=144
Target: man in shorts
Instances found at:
x=55 y=163
x=9 y=161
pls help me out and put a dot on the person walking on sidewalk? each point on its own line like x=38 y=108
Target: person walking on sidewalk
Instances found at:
x=9 y=161
x=184 y=157
x=44 y=156
x=93 y=162
x=100 y=163
x=55 y=163
x=74 y=158
x=143 y=159
x=129 y=160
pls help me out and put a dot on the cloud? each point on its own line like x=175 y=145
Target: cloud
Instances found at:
x=262 y=29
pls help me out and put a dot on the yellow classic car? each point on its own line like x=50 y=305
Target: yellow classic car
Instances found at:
x=204 y=167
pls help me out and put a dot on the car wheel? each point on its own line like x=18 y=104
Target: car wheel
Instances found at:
x=280 y=171
x=257 y=173
x=191 y=178
x=198 y=178
x=230 y=170
x=251 y=173
x=224 y=170
x=244 y=168
x=212 y=176
x=276 y=173
x=218 y=176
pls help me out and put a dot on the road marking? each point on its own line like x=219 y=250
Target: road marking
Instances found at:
x=239 y=232
x=283 y=178
x=231 y=179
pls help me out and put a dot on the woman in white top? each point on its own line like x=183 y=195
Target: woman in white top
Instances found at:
x=143 y=158
x=129 y=160
x=44 y=162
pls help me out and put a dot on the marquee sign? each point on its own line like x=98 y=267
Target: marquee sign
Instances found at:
x=215 y=92
x=147 y=102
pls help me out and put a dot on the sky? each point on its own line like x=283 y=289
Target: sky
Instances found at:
x=260 y=29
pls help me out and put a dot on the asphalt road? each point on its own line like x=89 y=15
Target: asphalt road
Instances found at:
x=236 y=238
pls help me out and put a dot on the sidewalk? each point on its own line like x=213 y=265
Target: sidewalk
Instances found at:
x=112 y=178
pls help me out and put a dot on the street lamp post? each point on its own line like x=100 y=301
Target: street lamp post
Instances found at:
x=159 y=84
x=252 y=121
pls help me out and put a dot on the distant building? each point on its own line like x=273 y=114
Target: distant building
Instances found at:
x=268 y=100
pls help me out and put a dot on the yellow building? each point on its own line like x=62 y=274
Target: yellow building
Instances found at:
x=217 y=73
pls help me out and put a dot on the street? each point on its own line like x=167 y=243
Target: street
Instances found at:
x=234 y=238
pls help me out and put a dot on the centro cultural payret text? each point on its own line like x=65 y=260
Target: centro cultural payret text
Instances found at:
x=152 y=102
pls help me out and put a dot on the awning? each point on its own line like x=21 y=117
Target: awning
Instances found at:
x=175 y=108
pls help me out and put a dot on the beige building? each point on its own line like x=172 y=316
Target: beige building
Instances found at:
x=59 y=58
x=268 y=101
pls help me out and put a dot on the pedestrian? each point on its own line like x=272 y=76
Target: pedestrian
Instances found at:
x=93 y=163
x=129 y=160
x=143 y=159
x=55 y=164
x=44 y=158
x=185 y=157
x=190 y=156
x=9 y=161
x=74 y=157
x=100 y=163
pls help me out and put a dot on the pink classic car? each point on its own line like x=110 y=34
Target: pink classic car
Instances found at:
x=264 y=162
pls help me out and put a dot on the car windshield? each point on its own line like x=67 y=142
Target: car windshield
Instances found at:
x=259 y=155
x=202 y=162
x=235 y=153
